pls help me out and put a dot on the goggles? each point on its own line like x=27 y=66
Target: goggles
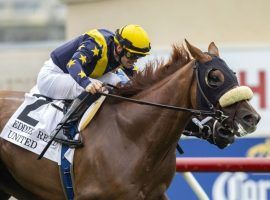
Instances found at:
x=132 y=56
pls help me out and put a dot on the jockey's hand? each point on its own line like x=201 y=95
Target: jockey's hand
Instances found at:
x=94 y=87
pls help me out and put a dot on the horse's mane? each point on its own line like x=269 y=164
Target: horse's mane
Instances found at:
x=155 y=71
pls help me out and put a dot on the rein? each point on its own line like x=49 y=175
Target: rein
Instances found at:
x=169 y=107
x=217 y=114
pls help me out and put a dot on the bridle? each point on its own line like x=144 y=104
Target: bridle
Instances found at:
x=217 y=114
x=213 y=112
x=220 y=117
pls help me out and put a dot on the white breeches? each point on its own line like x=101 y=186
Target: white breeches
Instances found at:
x=54 y=83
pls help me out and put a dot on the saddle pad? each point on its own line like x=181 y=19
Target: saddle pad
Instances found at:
x=30 y=126
x=90 y=112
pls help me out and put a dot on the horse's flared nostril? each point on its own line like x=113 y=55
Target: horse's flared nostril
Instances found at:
x=252 y=119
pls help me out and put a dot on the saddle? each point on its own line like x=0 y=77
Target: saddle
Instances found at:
x=67 y=131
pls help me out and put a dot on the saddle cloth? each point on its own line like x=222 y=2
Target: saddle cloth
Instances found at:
x=30 y=126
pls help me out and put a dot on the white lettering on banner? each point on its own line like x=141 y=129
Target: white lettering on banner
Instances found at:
x=238 y=186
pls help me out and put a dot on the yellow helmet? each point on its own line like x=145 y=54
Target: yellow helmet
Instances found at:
x=134 y=39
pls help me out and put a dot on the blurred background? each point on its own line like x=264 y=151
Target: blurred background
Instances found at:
x=31 y=29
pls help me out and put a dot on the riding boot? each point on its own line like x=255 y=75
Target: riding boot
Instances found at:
x=73 y=114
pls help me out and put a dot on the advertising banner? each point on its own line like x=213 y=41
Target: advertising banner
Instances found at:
x=226 y=185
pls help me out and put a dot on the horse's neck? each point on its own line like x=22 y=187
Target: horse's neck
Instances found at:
x=147 y=124
x=136 y=137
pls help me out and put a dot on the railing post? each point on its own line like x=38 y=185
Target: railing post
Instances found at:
x=195 y=186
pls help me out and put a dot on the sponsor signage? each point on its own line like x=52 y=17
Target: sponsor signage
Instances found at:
x=226 y=185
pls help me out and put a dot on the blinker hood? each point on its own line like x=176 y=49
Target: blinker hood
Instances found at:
x=214 y=94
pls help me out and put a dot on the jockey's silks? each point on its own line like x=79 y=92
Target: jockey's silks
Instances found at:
x=89 y=55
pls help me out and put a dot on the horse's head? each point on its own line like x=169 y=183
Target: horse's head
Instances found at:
x=218 y=87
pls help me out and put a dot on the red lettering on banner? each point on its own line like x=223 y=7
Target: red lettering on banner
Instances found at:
x=260 y=89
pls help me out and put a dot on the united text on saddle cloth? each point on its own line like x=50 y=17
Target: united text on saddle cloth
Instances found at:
x=31 y=125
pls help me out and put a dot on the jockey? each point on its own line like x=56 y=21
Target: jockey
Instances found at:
x=81 y=65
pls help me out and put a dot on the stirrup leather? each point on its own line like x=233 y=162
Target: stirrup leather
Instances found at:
x=65 y=138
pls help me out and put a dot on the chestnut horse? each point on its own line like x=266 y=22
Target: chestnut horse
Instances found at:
x=129 y=149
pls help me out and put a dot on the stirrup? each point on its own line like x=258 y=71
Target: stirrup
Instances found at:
x=65 y=140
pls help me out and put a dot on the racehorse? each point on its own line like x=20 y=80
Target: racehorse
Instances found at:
x=129 y=149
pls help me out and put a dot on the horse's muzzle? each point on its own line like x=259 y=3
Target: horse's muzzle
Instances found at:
x=247 y=124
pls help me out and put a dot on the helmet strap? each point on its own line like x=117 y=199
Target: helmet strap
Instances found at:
x=119 y=54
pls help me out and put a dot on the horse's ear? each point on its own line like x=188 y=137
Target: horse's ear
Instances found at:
x=212 y=49
x=197 y=53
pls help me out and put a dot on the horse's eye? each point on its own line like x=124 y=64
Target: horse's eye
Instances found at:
x=214 y=78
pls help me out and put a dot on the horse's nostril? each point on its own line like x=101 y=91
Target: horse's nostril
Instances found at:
x=252 y=119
